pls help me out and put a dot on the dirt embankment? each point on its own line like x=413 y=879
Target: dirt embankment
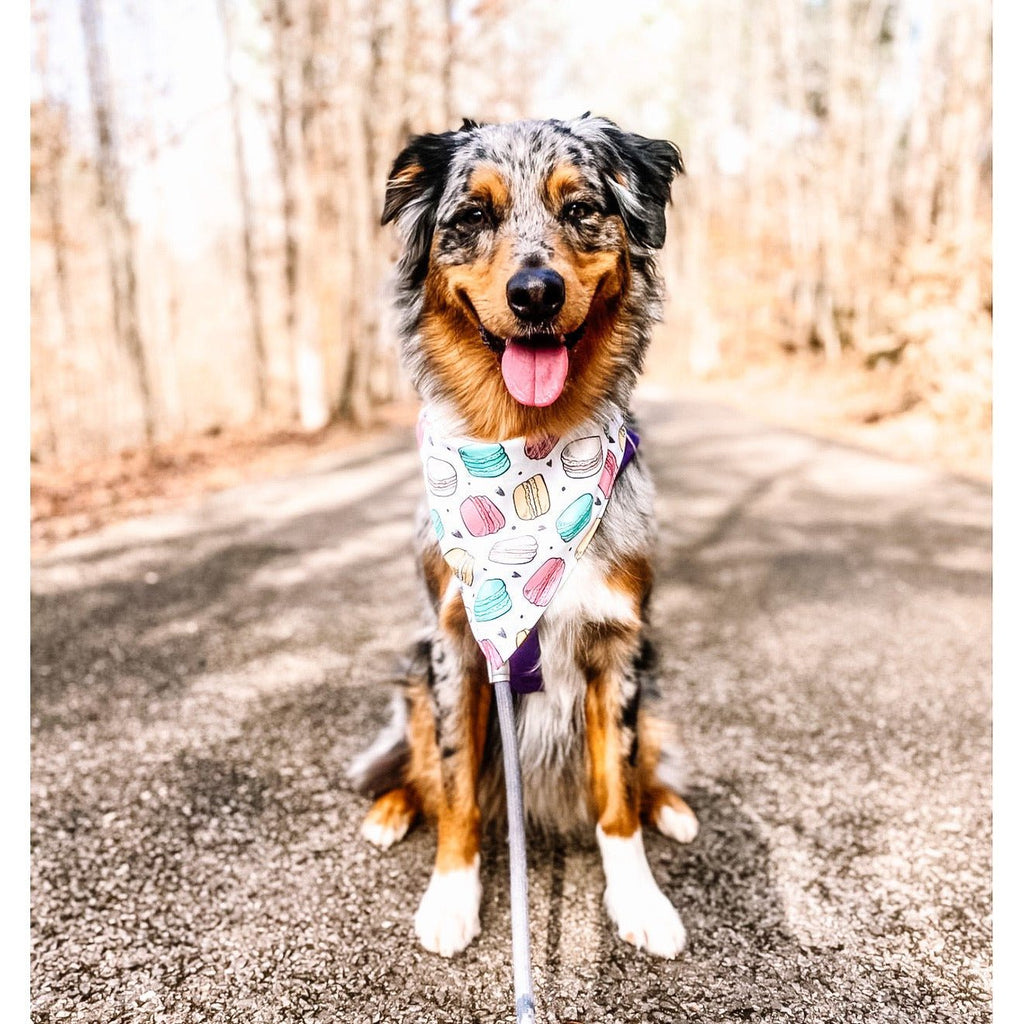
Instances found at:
x=71 y=500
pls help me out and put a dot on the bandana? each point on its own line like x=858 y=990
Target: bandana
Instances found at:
x=513 y=520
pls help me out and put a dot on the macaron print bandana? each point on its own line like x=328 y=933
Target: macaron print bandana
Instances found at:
x=514 y=519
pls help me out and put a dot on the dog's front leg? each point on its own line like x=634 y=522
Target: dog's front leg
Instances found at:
x=448 y=918
x=639 y=909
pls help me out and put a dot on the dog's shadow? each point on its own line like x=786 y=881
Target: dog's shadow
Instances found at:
x=743 y=960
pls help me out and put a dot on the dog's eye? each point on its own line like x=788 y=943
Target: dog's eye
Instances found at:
x=469 y=220
x=578 y=211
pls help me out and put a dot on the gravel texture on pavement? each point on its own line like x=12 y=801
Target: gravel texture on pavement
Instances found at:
x=202 y=678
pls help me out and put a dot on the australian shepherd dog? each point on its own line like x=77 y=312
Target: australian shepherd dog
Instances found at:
x=535 y=238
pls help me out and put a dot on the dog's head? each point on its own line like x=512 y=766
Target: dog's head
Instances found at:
x=527 y=278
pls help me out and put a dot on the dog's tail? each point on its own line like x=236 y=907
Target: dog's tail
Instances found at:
x=382 y=766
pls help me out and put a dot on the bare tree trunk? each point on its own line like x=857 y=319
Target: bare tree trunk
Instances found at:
x=409 y=64
x=354 y=392
x=793 y=168
x=923 y=157
x=252 y=283
x=759 y=102
x=55 y=211
x=448 y=64
x=51 y=133
x=283 y=152
x=970 y=107
x=114 y=214
x=318 y=272
x=380 y=31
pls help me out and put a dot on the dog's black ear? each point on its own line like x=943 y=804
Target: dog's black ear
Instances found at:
x=418 y=173
x=640 y=181
x=413 y=191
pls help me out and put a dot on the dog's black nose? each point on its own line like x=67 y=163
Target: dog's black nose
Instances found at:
x=535 y=294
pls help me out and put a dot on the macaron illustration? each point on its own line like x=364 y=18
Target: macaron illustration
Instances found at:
x=531 y=498
x=608 y=474
x=487 y=460
x=514 y=550
x=481 y=516
x=575 y=517
x=441 y=477
x=539 y=447
x=462 y=564
x=491 y=653
x=435 y=520
x=582 y=457
x=541 y=586
x=492 y=601
x=588 y=536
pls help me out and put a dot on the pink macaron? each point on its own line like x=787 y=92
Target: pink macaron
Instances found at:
x=611 y=468
x=491 y=654
x=481 y=516
x=541 y=586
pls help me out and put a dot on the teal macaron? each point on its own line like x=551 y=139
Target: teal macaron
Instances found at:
x=575 y=517
x=485 y=460
x=492 y=601
x=435 y=520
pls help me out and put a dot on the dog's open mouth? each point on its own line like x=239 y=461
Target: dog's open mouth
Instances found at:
x=535 y=366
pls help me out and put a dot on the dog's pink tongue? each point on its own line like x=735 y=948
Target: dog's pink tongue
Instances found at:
x=534 y=376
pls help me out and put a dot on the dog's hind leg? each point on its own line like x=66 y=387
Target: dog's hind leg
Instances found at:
x=391 y=816
x=382 y=771
x=640 y=910
x=661 y=807
x=445 y=769
x=670 y=814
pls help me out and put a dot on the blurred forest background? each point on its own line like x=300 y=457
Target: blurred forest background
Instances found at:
x=207 y=178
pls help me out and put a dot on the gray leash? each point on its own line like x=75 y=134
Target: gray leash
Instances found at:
x=525 y=1010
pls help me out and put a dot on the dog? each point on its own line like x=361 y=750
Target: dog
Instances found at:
x=527 y=287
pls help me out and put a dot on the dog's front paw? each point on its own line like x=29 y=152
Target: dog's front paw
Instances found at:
x=640 y=910
x=646 y=919
x=448 y=918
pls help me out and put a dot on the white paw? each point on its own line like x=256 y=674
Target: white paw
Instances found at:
x=680 y=825
x=384 y=835
x=646 y=919
x=640 y=910
x=448 y=918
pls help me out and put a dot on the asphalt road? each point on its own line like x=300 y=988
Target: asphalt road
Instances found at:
x=201 y=679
